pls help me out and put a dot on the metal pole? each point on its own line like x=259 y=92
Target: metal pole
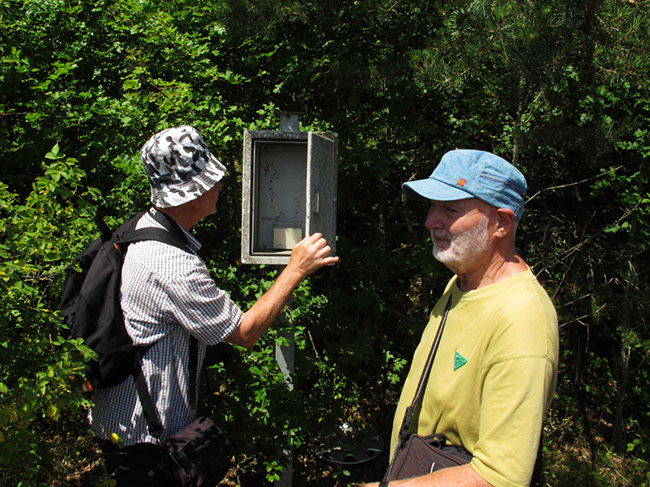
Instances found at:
x=285 y=357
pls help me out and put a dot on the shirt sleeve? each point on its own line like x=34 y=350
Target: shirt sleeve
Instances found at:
x=203 y=309
x=512 y=411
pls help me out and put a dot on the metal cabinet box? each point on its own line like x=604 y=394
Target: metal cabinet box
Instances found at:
x=289 y=185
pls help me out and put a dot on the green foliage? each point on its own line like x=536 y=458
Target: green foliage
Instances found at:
x=41 y=372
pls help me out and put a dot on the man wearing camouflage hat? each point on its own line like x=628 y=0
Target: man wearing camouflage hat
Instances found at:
x=167 y=296
x=494 y=373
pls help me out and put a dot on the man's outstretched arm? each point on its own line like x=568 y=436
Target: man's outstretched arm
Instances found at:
x=309 y=255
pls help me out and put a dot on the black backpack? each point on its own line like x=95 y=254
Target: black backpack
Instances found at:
x=91 y=297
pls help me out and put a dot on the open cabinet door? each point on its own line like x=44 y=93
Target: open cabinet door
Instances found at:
x=322 y=168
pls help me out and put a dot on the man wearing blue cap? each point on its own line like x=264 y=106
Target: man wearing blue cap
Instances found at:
x=494 y=373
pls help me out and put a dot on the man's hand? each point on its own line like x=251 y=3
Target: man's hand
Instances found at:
x=309 y=255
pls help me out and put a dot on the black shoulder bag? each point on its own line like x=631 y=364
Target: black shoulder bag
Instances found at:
x=197 y=455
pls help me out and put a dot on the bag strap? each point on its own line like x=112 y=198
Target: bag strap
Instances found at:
x=148 y=408
x=193 y=370
x=419 y=392
x=106 y=233
x=434 y=348
x=154 y=425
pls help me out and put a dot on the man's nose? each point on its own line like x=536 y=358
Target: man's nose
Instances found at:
x=433 y=220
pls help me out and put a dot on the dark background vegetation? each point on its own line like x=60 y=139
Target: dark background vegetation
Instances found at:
x=559 y=88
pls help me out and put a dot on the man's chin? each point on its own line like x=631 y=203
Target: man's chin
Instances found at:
x=443 y=256
x=439 y=255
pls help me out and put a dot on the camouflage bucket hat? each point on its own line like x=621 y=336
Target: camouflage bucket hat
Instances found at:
x=179 y=166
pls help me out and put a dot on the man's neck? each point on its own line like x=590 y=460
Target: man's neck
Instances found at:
x=494 y=269
x=181 y=215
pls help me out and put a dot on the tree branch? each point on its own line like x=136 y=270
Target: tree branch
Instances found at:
x=576 y=183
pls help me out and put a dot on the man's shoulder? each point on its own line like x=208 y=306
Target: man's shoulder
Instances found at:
x=165 y=261
x=524 y=301
x=162 y=259
x=517 y=315
x=527 y=291
x=521 y=289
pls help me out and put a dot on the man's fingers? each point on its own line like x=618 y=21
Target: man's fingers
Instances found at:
x=316 y=240
x=311 y=238
x=326 y=250
x=331 y=260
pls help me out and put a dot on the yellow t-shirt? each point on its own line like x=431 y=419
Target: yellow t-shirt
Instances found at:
x=493 y=376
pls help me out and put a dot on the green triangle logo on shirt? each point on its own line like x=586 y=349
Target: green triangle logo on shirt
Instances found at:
x=459 y=361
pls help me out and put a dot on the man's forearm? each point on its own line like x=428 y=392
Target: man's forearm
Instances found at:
x=264 y=312
x=461 y=476
x=310 y=254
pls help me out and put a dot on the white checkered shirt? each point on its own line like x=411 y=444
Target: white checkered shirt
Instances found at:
x=167 y=294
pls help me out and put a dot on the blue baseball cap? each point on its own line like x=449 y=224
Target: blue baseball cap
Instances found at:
x=464 y=174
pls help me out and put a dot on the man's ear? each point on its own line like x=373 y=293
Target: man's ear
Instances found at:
x=506 y=223
x=193 y=204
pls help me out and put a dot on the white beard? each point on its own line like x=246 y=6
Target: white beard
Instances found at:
x=463 y=248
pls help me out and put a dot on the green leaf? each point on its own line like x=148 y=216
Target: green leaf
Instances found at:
x=54 y=153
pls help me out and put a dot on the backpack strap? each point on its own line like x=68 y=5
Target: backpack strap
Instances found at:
x=106 y=232
x=167 y=222
x=171 y=235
